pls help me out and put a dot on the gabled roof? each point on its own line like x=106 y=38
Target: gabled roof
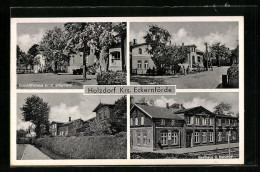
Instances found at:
x=159 y=112
x=67 y=123
x=194 y=109
x=101 y=105
x=138 y=45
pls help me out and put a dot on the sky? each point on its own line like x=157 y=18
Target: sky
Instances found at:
x=191 y=32
x=65 y=105
x=189 y=100
x=32 y=33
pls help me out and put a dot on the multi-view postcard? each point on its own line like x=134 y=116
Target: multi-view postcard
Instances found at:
x=127 y=91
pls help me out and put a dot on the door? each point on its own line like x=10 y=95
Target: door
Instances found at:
x=188 y=139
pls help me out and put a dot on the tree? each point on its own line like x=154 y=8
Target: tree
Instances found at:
x=235 y=55
x=158 y=39
x=54 y=43
x=36 y=111
x=221 y=108
x=33 y=50
x=20 y=133
x=220 y=52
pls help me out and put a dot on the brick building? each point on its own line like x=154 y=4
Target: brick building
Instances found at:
x=174 y=126
x=70 y=128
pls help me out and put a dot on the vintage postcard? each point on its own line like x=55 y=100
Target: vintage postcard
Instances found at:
x=127 y=91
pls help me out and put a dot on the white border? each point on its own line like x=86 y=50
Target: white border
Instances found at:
x=128 y=161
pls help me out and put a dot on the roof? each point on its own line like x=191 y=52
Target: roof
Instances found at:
x=159 y=112
x=67 y=123
x=226 y=116
x=57 y=122
x=101 y=105
x=90 y=120
x=138 y=45
x=195 y=109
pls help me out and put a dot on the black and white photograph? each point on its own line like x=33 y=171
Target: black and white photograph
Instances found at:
x=70 y=126
x=185 y=126
x=70 y=55
x=186 y=54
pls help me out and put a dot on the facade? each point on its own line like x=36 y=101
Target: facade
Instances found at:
x=70 y=127
x=54 y=128
x=174 y=126
x=103 y=111
x=141 y=60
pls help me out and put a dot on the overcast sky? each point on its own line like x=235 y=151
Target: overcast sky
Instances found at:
x=32 y=33
x=192 y=32
x=65 y=105
x=189 y=100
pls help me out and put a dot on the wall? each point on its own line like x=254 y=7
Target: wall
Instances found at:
x=115 y=65
x=102 y=110
x=149 y=139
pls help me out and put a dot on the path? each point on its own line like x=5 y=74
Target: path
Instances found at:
x=32 y=153
x=195 y=149
x=206 y=79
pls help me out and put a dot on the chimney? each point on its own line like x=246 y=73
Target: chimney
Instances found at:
x=182 y=44
x=167 y=106
x=135 y=42
x=69 y=119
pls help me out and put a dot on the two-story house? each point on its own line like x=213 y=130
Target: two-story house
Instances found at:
x=172 y=126
x=103 y=111
x=54 y=128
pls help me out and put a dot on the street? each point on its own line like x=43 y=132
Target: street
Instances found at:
x=206 y=79
x=29 y=152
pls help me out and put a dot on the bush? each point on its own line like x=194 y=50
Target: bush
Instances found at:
x=153 y=155
x=233 y=72
x=111 y=78
x=86 y=147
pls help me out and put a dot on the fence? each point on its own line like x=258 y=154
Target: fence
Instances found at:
x=20 y=71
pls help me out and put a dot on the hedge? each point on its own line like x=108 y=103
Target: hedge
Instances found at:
x=111 y=78
x=86 y=147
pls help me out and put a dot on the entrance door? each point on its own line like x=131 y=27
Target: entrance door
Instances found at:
x=188 y=139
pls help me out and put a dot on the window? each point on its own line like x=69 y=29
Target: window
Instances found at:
x=131 y=121
x=173 y=122
x=210 y=121
x=144 y=138
x=142 y=120
x=198 y=59
x=100 y=115
x=139 y=64
x=234 y=135
x=219 y=136
x=146 y=66
x=140 y=51
x=206 y=121
x=219 y=122
x=164 y=138
x=162 y=121
x=197 y=121
x=228 y=122
x=204 y=137
x=189 y=120
x=210 y=136
x=138 y=138
x=115 y=55
x=136 y=121
x=196 y=136
x=203 y=121
x=105 y=113
x=175 y=138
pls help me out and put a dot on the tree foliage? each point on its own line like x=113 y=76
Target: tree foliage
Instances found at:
x=33 y=50
x=36 y=111
x=221 y=108
x=163 y=54
x=220 y=51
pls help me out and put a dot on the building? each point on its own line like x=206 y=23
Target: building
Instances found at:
x=70 y=128
x=104 y=111
x=54 y=128
x=141 y=60
x=174 y=126
x=39 y=65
